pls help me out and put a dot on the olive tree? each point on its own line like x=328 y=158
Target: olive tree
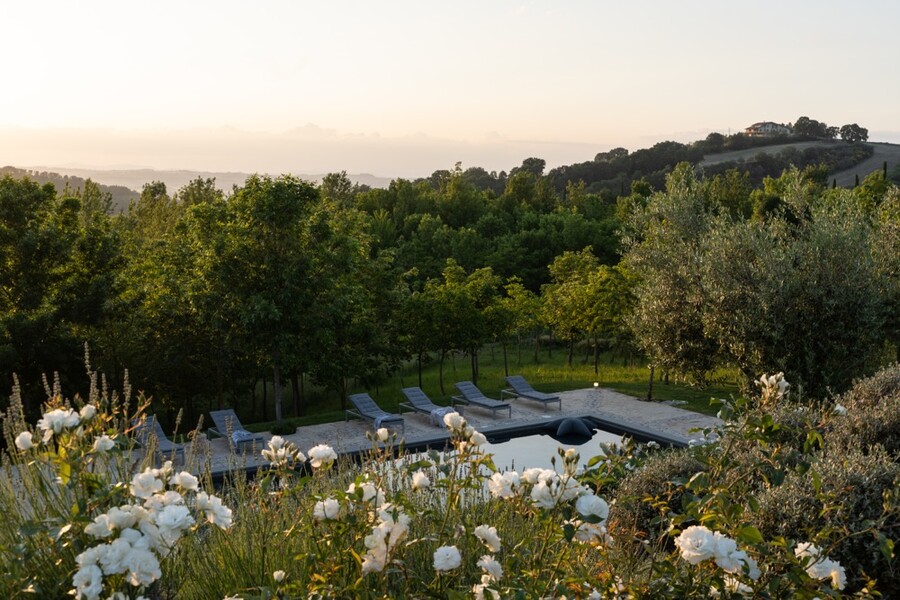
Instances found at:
x=663 y=250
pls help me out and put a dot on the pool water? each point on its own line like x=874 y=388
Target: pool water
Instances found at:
x=536 y=450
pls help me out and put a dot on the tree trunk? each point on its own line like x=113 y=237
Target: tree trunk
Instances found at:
x=295 y=393
x=218 y=384
x=571 y=349
x=666 y=377
x=596 y=356
x=253 y=397
x=505 y=361
x=420 y=369
x=276 y=386
x=519 y=349
x=441 y=372
x=550 y=345
x=537 y=346
x=302 y=387
x=265 y=402
x=473 y=357
x=650 y=387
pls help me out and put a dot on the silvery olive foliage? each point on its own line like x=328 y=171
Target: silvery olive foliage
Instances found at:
x=808 y=290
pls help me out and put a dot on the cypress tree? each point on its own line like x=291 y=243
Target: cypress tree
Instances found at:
x=856 y=181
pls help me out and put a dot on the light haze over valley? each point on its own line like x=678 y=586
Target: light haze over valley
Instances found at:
x=402 y=90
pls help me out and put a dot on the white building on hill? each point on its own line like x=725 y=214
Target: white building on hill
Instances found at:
x=766 y=128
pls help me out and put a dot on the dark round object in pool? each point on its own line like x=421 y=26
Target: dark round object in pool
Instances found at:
x=573 y=431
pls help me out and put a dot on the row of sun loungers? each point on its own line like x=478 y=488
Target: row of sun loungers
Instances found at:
x=149 y=433
x=469 y=395
x=227 y=425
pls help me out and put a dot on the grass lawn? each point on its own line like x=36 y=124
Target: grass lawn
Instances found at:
x=549 y=374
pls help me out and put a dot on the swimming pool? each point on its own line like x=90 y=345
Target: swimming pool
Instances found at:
x=536 y=449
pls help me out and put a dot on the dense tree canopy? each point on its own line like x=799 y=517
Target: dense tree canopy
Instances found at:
x=211 y=298
x=798 y=290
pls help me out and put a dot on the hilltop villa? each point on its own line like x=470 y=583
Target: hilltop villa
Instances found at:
x=766 y=128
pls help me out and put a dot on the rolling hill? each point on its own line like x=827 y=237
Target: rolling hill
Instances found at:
x=883 y=152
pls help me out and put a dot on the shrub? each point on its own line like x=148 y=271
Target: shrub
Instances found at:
x=837 y=501
x=872 y=414
x=871 y=391
x=646 y=497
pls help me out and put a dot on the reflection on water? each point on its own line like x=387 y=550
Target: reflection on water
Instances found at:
x=537 y=450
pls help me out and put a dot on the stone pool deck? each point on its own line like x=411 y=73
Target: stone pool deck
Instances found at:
x=653 y=419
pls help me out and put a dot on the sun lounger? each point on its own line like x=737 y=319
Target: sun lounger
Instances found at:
x=522 y=389
x=420 y=402
x=472 y=395
x=149 y=433
x=366 y=408
x=227 y=425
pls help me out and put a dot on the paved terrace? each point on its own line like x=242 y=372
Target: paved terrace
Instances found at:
x=653 y=419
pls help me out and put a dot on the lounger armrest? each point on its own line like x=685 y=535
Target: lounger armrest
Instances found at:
x=508 y=392
x=454 y=400
x=215 y=432
x=351 y=412
x=409 y=407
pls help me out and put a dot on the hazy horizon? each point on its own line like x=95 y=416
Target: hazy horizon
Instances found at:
x=408 y=88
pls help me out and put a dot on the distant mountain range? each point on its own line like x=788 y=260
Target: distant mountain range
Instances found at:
x=121 y=195
x=125 y=184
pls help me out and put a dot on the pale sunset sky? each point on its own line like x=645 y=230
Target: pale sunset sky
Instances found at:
x=403 y=88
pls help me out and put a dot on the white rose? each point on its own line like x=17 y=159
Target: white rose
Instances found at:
x=329 y=509
x=491 y=567
x=504 y=485
x=382 y=434
x=56 y=420
x=696 y=543
x=534 y=474
x=185 y=481
x=104 y=443
x=100 y=528
x=87 y=412
x=278 y=576
x=420 y=480
x=216 y=512
x=322 y=455
x=454 y=421
x=488 y=535
x=838 y=576
x=143 y=567
x=370 y=493
x=542 y=495
x=24 y=441
x=88 y=582
x=447 y=558
x=591 y=505
x=145 y=485
x=477 y=439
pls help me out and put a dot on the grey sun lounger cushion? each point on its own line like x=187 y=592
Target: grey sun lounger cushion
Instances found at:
x=228 y=425
x=366 y=408
x=421 y=403
x=472 y=395
x=522 y=389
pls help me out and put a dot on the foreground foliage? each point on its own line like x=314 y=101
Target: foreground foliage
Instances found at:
x=769 y=505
